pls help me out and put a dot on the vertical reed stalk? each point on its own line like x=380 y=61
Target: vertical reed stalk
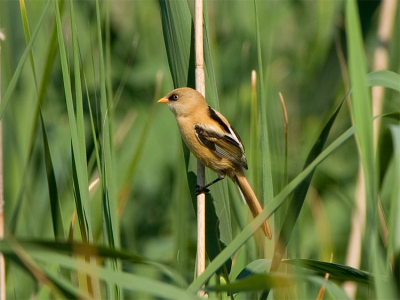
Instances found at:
x=386 y=21
x=2 y=261
x=381 y=57
x=200 y=87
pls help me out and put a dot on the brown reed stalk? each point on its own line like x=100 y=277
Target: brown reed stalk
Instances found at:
x=385 y=26
x=2 y=261
x=200 y=87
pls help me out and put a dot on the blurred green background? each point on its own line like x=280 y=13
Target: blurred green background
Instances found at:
x=301 y=43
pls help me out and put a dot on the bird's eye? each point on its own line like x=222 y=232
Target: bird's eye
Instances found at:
x=174 y=97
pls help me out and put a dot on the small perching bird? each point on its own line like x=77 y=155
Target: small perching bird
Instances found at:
x=213 y=141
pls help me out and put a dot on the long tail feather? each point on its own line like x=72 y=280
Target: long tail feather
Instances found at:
x=251 y=199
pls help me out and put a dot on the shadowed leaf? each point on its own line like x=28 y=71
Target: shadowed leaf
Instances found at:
x=336 y=271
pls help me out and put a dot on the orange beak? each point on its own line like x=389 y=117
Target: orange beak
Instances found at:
x=163 y=100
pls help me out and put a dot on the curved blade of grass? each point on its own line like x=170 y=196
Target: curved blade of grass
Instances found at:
x=109 y=201
x=93 y=128
x=60 y=291
x=99 y=147
x=270 y=208
x=387 y=79
x=391 y=80
x=177 y=25
x=107 y=29
x=17 y=73
x=336 y=271
x=71 y=248
x=50 y=54
x=78 y=147
x=55 y=205
x=127 y=281
x=362 y=115
x=258 y=266
x=75 y=248
x=299 y=194
x=268 y=281
x=393 y=115
x=255 y=283
x=268 y=188
x=361 y=105
x=64 y=285
x=65 y=288
x=384 y=78
x=83 y=209
x=124 y=280
x=28 y=37
x=78 y=88
x=109 y=197
x=297 y=200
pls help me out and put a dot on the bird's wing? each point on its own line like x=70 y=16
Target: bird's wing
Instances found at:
x=222 y=143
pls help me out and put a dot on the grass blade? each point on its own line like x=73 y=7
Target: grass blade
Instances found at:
x=125 y=280
x=56 y=212
x=247 y=232
x=177 y=25
x=55 y=205
x=361 y=104
x=13 y=82
x=362 y=115
x=33 y=247
x=109 y=199
x=268 y=188
x=79 y=162
x=300 y=193
x=23 y=259
x=385 y=78
x=336 y=271
x=268 y=281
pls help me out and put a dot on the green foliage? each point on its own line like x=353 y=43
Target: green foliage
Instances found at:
x=98 y=185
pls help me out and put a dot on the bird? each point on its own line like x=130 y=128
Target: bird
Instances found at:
x=214 y=142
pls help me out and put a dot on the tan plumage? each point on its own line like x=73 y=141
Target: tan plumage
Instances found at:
x=213 y=141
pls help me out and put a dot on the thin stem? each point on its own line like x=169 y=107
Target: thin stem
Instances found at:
x=381 y=58
x=2 y=261
x=200 y=87
x=386 y=21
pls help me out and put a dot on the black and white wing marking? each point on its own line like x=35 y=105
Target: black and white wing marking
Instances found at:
x=224 y=143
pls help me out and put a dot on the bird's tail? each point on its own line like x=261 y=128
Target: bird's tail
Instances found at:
x=251 y=199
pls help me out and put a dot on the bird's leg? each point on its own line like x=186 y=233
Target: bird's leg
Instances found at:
x=212 y=182
x=204 y=189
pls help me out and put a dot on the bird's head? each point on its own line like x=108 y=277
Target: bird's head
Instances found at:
x=184 y=101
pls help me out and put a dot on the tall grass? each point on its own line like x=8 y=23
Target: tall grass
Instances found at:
x=98 y=184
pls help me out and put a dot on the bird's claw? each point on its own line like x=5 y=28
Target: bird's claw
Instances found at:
x=201 y=190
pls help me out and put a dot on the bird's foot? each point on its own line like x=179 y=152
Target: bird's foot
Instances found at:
x=201 y=190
